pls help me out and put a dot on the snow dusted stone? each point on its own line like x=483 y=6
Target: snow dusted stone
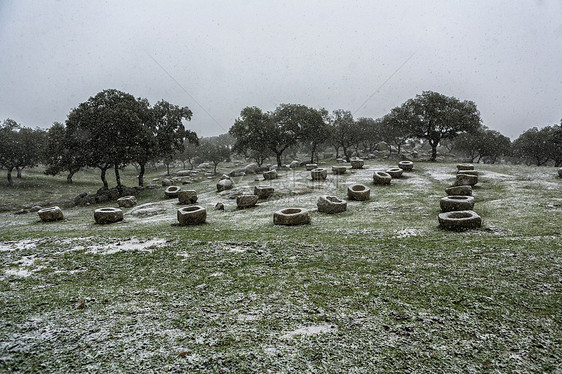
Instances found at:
x=331 y=204
x=166 y=182
x=339 y=170
x=291 y=217
x=127 y=201
x=50 y=214
x=357 y=163
x=358 y=192
x=251 y=168
x=466 y=179
x=456 y=202
x=339 y=159
x=263 y=192
x=187 y=197
x=225 y=184
x=294 y=164
x=459 y=190
x=172 y=192
x=219 y=206
x=269 y=175
x=108 y=215
x=468 y=172
x=395 y=172
x=310 y=167
x=246 y=201
x=381 y=177
x=462 y=190
x=192 y=215
x=460 y=220
x=465 y=167
x=319 y=174
x=406 y=165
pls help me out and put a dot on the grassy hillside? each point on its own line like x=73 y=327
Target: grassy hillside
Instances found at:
x=379 y=288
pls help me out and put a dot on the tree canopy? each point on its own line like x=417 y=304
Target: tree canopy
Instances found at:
x=433 y=116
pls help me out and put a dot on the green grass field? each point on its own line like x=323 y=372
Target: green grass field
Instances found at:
x=379 y=288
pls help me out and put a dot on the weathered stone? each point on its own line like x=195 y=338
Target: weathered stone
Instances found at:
x=310 y=167
x=357 y=163
x=358 y=192
x=268 y=175
x=382 y=146
x=339 y=170
x=184 y=173
x=246 y=201
x=340 y=160
x=465 y=167
x=263 y=192
x=291 y=217
x=331 y=204
x=406 y=165
x=147 y=210
x=319 y=174
x=225 y=184
x=459 y=190
x=466 y=179
x=460 y=220
x=187 y=197
x=127 y=201
x=395 y=172
x=50 y=214
x=166 y=182
x=468 y=172
x=456 y=202
x=108 y=215
x=224 y=176
x=381 y=178
x=35 y=208
x=251 y=168
x=219 y=206
x=187 y=182
x=192 y=215
x=172 y=192
x=294 y=164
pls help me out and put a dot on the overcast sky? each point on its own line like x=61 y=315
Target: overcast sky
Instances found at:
x=217 y=57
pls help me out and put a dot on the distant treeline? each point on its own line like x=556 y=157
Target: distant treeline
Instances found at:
x=114 y=129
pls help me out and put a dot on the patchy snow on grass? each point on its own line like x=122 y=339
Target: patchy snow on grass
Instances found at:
x=311 y=330
x=19 y=245
x=406 y=233
x=132 y=244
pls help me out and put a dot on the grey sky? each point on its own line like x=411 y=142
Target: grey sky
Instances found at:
x=504 y=55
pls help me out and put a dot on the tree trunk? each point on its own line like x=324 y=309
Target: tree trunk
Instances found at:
x=69 y=177
x=10 y=182
x=278 y=155
x=215 y=168
x=18 y=175
x=103 y=179
x=433 y=152
x=167 y=168
x=347 y=158
x=337 y=152
x=117 y=176
x=141 y=175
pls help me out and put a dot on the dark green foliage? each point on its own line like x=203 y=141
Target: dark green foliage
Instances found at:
x=483 y=143
x=433 y=116
x=540 y=146
x=20 y=147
